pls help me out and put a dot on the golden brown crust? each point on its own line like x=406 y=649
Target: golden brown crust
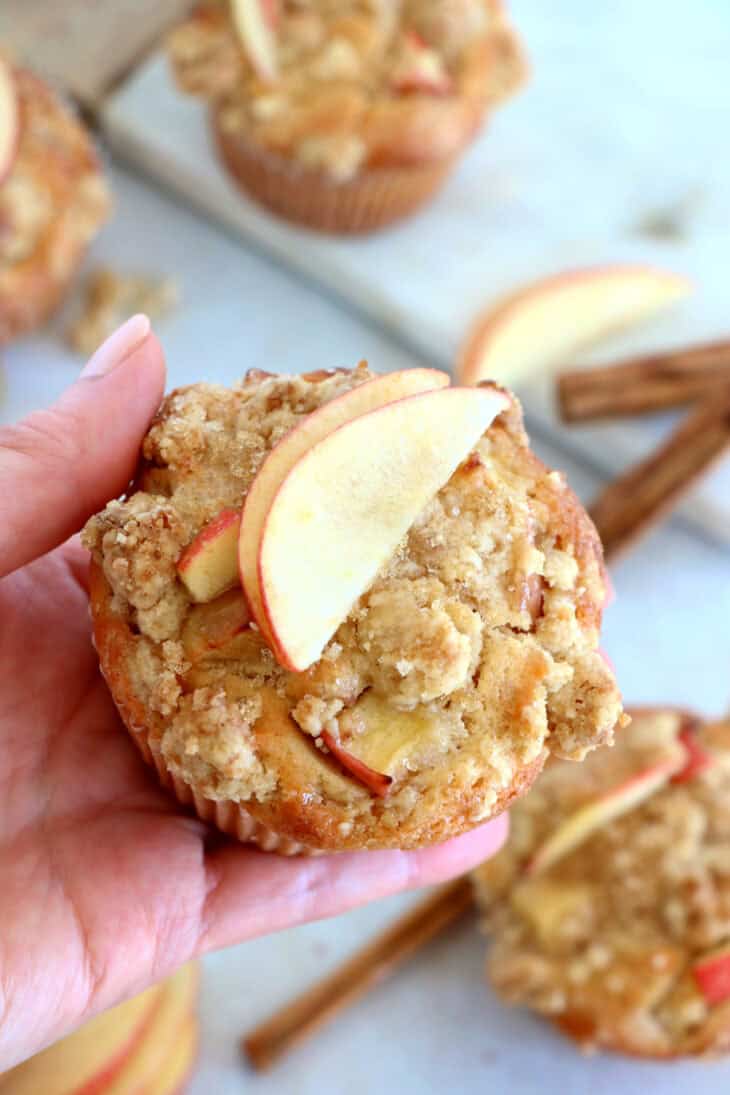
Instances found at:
x=604 y=941
x=302 y=825
x=474 y=629
x=51 y=205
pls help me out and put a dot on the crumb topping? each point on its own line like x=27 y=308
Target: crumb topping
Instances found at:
x=111 y=298
x=606 y=939
x=350 y=73
x=449 y=647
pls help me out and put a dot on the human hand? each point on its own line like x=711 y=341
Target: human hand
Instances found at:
x=106 y=885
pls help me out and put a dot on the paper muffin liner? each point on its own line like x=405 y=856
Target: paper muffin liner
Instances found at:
x=230 y=817
x=373 y=199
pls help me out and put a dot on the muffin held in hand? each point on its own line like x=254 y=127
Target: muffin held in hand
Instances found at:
x=344 y=115
x=53 y=199
x=609 y=908
x=414 y=629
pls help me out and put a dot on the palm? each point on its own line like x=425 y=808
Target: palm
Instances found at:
x=105 y=884
x=87 y=831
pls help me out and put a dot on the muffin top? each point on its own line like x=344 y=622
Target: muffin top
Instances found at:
x=471 y=655
x=54 y=186
x=339 y=85
x=620 y=938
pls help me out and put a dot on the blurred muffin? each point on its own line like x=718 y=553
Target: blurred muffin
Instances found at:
x=53 y=199
x=346 y=115
x=438 y=695
x=609 y=908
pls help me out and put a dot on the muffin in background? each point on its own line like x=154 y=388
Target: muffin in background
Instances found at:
x=608 y=910
x=53 y=199
x=340 y=115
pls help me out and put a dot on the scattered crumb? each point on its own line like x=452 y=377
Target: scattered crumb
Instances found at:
x=110 y=298
x=671 y=222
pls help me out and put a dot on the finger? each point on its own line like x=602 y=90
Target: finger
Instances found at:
x=59 y=466
x=252 y=893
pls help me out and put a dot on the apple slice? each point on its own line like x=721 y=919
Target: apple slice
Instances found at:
x=212 y=626
x=420 y=68
x=87 y=1061
x=597 y=814
x=698 y=760
x=377 y=740
x=177 y=1065
x=345 y=506
x=254 y=22
x=358 y=401
x=544 y=324
x=712 y=974
x=9 y=120
x=209 y=565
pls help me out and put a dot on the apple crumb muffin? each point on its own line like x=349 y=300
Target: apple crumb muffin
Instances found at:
x=471 y=656
x=609 y=908
x=346 y=115
x=53 y=201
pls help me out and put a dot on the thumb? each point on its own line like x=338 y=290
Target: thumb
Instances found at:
x=59 y=466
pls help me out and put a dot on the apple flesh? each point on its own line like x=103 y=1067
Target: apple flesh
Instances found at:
x=377 y=740
x=312 y=429
x=9 y=120
x=712 y=975
x=342 y=510
x=420 y=69
x=254 y=21
x=546 y=904
x=546 y=323
x=209 y=565
x=210 y=627
x=581 y=825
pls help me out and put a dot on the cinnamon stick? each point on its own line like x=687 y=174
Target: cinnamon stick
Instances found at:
x=374 y=962
x=635 y=502
x=640 y=385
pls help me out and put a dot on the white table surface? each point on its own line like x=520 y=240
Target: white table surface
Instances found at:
x=436 y=1027
x=627 y=112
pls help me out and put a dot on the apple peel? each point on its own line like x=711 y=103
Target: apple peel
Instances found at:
x=595 y=815
x=366 y=397
x=343 y=509
x=712 y=975
x=209 y=565
x=544 y=324
x=9 y=120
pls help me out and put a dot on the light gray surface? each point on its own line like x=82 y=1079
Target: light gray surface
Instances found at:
x=436 y=1028
x=626 y=114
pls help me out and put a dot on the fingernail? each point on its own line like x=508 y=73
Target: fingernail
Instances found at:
x=117 y=347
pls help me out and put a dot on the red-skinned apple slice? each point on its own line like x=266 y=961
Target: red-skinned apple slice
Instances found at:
x=312 y=429
x=88 y=1061
x=209 y=565
x=698 y=759
x=712 y=975
x=377 y=782
x=343 y=509
x=254 y=20
x=581 y=825
x=546 y=323
x=9 y=120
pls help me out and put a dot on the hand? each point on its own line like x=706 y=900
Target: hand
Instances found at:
x=105 y=884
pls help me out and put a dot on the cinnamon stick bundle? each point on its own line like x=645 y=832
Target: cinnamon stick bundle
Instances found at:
x=640 y=385
x=355 y=977
x=636 y=501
